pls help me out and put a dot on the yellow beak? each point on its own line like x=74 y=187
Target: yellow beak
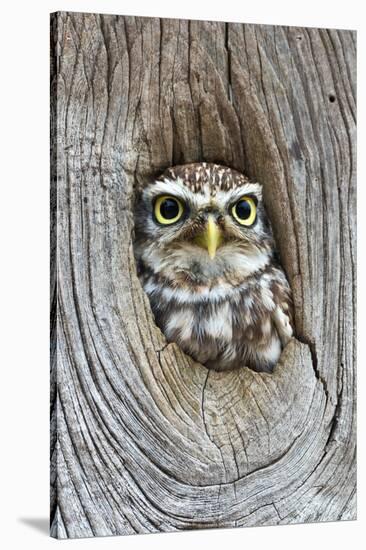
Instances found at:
x=211 y=238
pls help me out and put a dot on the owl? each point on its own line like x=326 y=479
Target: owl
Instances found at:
x=206 y=259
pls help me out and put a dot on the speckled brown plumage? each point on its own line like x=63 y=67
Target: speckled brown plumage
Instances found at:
x=233 y=310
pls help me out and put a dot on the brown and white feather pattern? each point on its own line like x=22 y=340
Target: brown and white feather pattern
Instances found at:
x=226 y=313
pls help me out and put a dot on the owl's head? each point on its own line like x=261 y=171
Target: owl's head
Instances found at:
x=202 y=222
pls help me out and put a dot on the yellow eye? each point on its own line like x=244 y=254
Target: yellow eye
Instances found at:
x=245 y=211
x=168 y=210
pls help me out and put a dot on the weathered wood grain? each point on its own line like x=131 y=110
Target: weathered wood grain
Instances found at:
x=142 y=438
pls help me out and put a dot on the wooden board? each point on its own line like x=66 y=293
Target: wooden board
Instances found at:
x=142 y=438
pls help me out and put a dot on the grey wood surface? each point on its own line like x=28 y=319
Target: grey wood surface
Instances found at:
x=142 y=438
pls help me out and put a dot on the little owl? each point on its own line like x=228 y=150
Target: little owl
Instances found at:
x=207 y=261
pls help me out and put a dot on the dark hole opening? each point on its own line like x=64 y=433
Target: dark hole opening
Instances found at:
x=332 y=98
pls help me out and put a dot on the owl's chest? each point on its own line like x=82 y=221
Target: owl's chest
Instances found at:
x=222 y=331
x=216 y=320
x=200 y=321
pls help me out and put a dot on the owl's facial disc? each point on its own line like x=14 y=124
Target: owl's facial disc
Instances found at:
x=211 y=238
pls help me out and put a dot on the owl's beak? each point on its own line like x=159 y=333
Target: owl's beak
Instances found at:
x=211 y=237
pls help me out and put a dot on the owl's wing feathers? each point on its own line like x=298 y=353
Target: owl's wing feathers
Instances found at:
x=282 y=314
x=282 y=323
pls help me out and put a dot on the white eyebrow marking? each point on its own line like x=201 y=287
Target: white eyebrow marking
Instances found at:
x=203 y=198
x=227 y=197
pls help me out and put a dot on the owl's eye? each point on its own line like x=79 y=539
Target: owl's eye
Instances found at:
x=168 y=210
x=245 y=211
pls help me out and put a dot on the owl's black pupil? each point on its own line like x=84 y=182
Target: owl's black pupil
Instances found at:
x=169 y=209
x=243 y=210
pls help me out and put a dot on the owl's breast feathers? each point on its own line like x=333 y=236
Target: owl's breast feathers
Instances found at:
x=228 y=323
